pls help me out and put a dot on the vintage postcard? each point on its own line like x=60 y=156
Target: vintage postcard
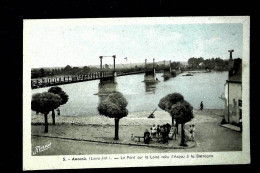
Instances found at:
x=135 y=92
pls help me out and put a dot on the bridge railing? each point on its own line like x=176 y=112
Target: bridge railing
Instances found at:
x=59 y=80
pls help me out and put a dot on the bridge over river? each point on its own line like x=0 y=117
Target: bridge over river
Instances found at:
x=53 y=81
x=150 y=76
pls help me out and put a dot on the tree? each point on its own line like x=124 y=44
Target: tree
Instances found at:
x=182 y=113
x=67 y=68
x=86 y=69
x=64 y=98
x=179 y=109
x=167 y=102
x=114 y=106
x=44 y=103
x=42 y=72
x=35 y=73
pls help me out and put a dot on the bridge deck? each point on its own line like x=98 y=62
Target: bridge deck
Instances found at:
x=53 y=81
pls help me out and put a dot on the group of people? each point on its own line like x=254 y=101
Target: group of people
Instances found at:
x=167 y=132
x=161 y=132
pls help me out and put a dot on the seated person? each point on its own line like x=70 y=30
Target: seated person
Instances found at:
x=147 y=137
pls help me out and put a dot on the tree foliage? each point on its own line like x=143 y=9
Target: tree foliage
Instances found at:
x=213 y=63
x=62 y=94
x=113 y=106
x=181 y=112
x=169 y=100
x=179 y=109
x=45 y=102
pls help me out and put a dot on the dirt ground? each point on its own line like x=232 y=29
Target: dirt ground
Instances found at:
x=209 y=135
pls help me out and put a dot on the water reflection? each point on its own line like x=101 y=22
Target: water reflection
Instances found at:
x=150 y=87
x=107 y=86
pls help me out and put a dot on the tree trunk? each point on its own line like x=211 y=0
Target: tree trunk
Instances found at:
x=116 y=128
x=53 y=117
x=177 y=128
x=46 y=123
x=182 y=135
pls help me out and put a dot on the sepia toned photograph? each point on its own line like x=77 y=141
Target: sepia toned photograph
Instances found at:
x=129 y=92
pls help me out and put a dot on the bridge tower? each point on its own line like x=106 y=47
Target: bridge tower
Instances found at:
x=150 y=75
x=108 y=84
x=167 y=71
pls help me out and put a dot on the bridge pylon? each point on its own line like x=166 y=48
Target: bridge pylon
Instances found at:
x=108 y=84
x=150 y=75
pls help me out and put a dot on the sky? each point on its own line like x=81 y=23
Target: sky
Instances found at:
x=81 y=45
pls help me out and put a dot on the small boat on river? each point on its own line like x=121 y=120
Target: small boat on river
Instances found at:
x=187 y=74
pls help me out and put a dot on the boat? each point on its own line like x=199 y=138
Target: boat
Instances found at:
x=187 y=74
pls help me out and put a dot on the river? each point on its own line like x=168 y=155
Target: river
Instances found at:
x=206 y=87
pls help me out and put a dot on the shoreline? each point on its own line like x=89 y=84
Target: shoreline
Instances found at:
x=133 y=118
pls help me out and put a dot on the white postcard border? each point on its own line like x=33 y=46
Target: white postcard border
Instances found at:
x=56 y=162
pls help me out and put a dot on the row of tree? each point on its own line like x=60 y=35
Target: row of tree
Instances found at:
x=113 y=106
x=47 y=102
x=68 y=70
x=213 y=64
x=193 y=63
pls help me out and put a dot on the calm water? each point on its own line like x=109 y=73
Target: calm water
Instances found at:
x=206 y=87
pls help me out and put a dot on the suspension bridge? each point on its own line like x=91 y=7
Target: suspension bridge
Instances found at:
x=101 y=75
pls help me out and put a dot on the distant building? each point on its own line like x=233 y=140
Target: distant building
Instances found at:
x=233 y=92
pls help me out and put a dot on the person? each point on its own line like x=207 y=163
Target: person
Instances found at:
x=168 y=129
x=146 y=136
x=240 y=123
x=158 y=131
x=132 y=137
x=154 y=131
x=174 y=123
x=58 y=111
x=190 y=133
x=164 y=134
x=161 y=133
x=201 y=105
x=193 y=133
x=174 y=132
